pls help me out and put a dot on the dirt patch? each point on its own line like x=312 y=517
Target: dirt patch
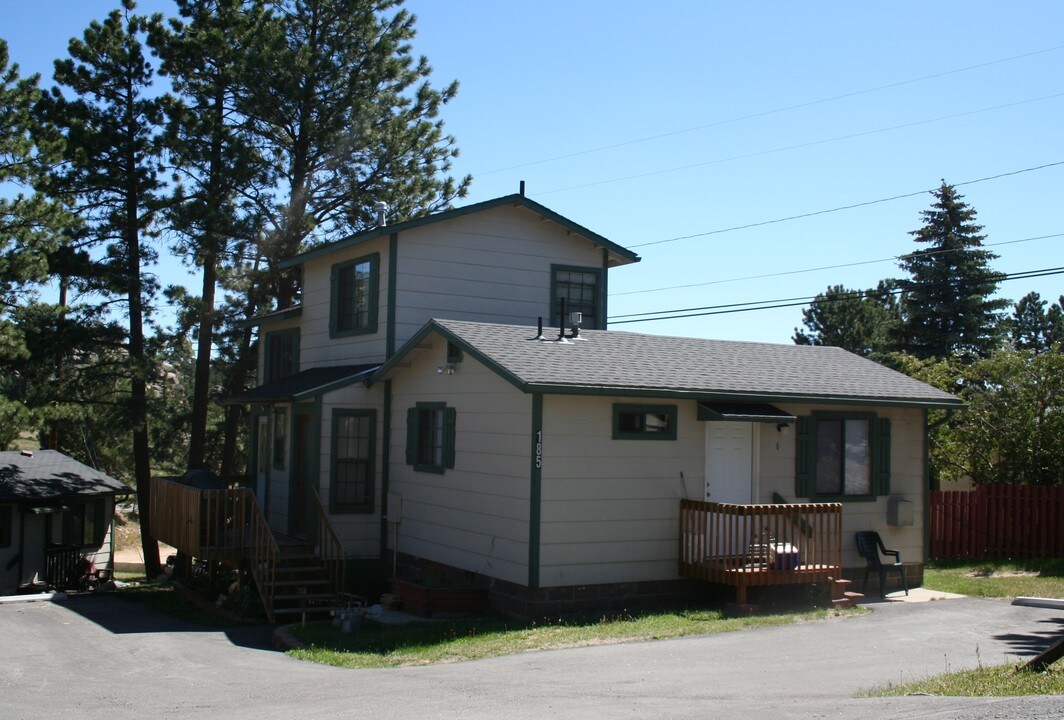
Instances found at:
x=1002 y=573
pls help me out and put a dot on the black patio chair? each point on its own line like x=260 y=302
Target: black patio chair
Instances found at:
x=870 y=546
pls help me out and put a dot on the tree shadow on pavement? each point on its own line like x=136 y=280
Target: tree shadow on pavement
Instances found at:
x=124 y=616
x=1035 y=642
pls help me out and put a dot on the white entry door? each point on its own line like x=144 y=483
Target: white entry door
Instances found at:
x=730 y=473
x=730 y=462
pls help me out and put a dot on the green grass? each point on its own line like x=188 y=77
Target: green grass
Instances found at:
x=1006 y=579
x=446 y=641
x=1001 y=681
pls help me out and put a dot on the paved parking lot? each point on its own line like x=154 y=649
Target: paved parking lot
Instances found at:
x=108 y=657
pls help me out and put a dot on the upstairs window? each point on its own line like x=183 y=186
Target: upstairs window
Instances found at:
x=282 y=354
x=581 y=288
x=430 y=437
x=353 y=309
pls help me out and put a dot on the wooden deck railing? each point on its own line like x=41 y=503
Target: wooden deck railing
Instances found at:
x=751 y=545
x=329 y=547
x=217 y=525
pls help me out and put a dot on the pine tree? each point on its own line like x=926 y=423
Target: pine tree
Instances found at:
x=111 y=121
x=860 y=321
x=214 y=161
x=947 y=304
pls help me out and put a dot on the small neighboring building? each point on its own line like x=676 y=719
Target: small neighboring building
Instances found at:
x=53 y=511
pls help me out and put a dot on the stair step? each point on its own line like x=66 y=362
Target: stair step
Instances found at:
x=300 y=597
x=843 y=602
x=853 y=595
x=300 y=583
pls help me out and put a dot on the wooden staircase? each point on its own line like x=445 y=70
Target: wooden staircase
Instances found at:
x=302 y=583
x=842 y=596
x=227 y=526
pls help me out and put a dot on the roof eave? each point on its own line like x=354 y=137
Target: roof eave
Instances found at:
x=621 y=254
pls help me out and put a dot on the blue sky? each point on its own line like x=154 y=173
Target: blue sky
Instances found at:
x=652 y=121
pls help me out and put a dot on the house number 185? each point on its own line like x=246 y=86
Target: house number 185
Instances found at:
x=539 y=449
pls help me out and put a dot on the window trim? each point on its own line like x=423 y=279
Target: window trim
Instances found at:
x=600 y=305
x=620 y=409
x=335 y=506
x=413 y=437
x=372 y=293
x=878 y=456
x=268 y=339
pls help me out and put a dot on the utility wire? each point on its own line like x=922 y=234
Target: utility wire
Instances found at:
x=799 y=146
x=845 y=207
x=799 y=301
x=828 y=267
x=765 y=113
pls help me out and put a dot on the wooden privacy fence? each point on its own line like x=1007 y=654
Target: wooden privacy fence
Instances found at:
x=997 y=521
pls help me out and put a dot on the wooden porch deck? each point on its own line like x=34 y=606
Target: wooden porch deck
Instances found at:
x=756 y=545
x=227 y=526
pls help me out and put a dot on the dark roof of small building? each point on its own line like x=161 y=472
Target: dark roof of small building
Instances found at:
x=51 y=475
x=304 y=384
x=636 y=364
x=619 y=255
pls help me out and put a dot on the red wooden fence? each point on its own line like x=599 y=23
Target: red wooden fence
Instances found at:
x=998 y=521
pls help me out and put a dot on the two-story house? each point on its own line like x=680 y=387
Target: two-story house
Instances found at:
x=414 y=394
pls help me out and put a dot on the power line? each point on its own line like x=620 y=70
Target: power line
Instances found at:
x=799 y=146
x=765 y=113
x=826 y=267
x=845 y=207
x=799 y=301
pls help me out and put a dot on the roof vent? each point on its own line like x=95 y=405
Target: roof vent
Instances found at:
x=381 y=209
x=27 y=453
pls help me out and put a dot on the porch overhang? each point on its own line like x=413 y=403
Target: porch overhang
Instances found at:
x=743 y=412
x=304 y=385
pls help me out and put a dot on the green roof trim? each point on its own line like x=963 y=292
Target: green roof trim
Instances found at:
x=622 y=254
x=632 y=365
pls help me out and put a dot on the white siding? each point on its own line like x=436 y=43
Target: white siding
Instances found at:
x=360 y=532
x=906 y=480
x=492 y=266
x=316 y=347
x=474 y=516
x=610 y=510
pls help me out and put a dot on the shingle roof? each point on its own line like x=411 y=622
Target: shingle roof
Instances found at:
x=301 y=385
x=51 y=475
x=636 y=362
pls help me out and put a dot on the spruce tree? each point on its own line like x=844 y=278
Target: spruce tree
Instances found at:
x=947 y=304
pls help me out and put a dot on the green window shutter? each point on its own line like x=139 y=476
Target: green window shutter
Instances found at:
x=804 y=457
x=411 y=436
x=881 y=457
x=449 y=415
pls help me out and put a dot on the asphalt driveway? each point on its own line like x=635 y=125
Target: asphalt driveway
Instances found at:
x=108 y=657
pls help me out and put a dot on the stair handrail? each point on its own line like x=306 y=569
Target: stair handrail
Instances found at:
x=329 y=546
x=260 y=545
